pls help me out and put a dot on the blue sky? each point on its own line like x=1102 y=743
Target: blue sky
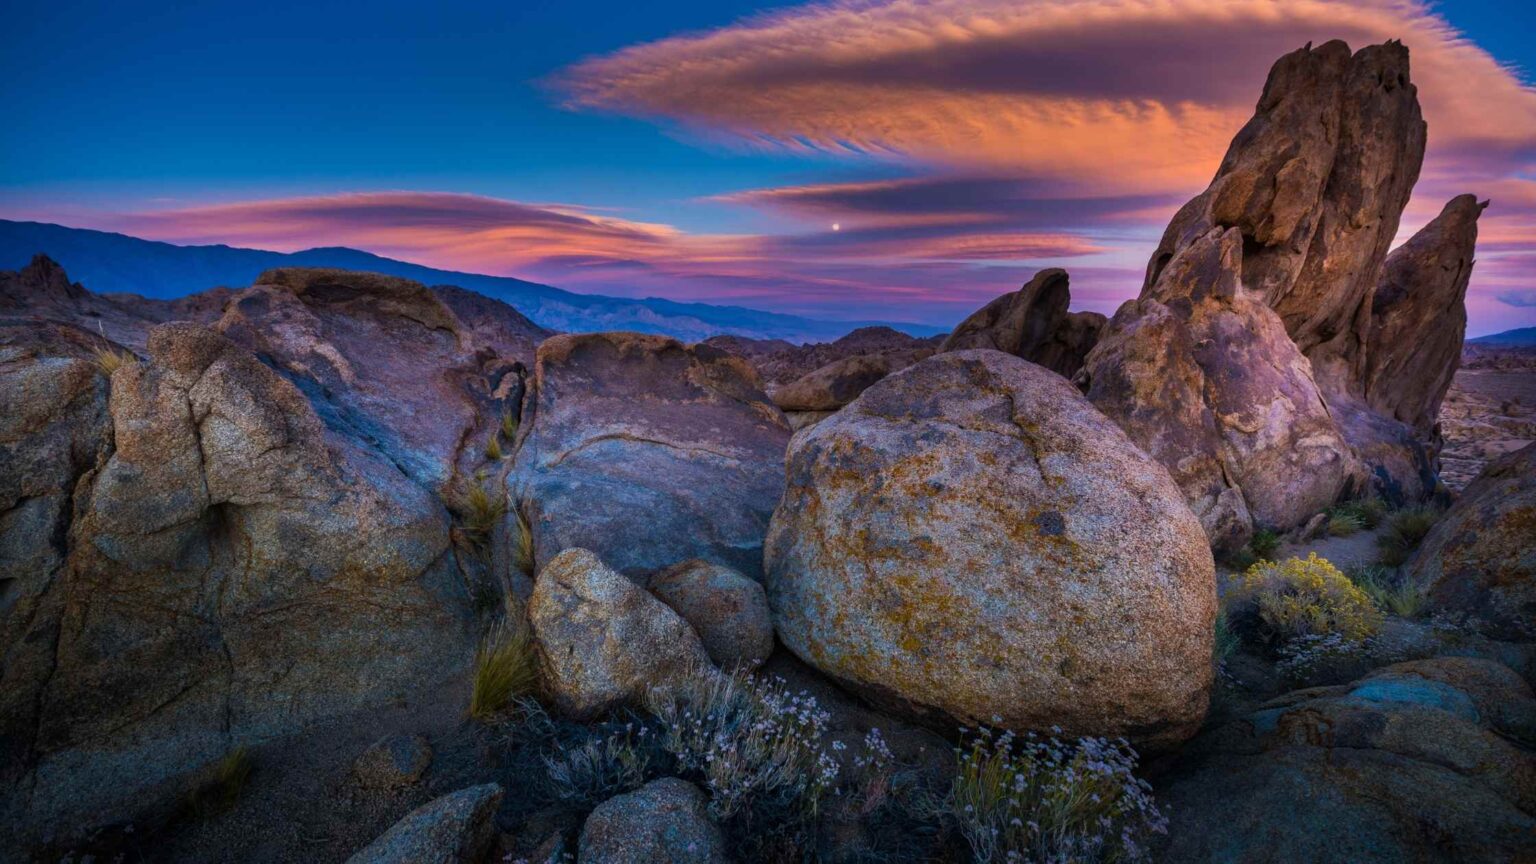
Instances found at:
x=156 y=121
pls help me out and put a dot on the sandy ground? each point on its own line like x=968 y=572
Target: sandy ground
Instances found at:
x=1488 y=412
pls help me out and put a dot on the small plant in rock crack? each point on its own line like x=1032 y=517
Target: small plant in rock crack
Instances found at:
x=604 y=765
x=505 y=667
x=522 y=542
x=224 y=782
x=493 y=447
x=509 y=426
x=1043 y=800
x=479 y=510
x=756 y=747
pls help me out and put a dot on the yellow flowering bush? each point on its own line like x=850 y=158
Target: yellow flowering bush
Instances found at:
x=1300 y=597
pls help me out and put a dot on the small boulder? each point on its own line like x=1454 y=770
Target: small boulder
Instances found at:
x=1421 y=761
x=398 y=760
x=453 y=829
x=836 y=384
x=727 y=610
x=971 y=536
x=603 y=640
x=665 y=822
x=1480 y=558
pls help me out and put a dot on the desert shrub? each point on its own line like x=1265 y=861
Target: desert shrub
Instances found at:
x=1366 y=512
x=1283 y=601
x=754 y=746
x=591 y=772
x=509 y=425
x=223 y=783
x=505 y=667
x=1032 y=799
x=1406 y=528
x=493 y=447
x=1264 y=543
x=1390 y=590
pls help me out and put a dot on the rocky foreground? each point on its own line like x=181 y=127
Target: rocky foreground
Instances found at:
x=338 y=566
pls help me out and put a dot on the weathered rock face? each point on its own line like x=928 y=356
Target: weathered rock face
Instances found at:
x=971 y=536
x=649 y=452
x=780 y=363
x=384 y=356
x=727 y=610
x=1421 y=761
x=604 y=641
x=1316 y=181
x=1032 y=323
x=233 y=570
x=1202 y=375
x=1480 y=559
x=1419 y=316
x=454 y=829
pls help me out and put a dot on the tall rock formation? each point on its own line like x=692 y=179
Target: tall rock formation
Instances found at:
x=1317 y=181
x=1341 y=400
x=1419 y=317
x=1032 y=323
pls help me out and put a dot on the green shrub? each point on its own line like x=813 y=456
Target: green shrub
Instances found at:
x=1366 y=512
x=505 y=667
x=1390 y=590
x=1264 y=543
x=1028 y=799
x=1282 y=601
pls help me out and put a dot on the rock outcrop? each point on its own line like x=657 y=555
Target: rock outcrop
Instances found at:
x=649 y=452
x=1316 y=181
x=1419 y=317
x=232 y=570
x=837 y=383
x=603 y=640
x=1479 y=560
x=727 y=610
x=1032 y=323
x=1307 y=201
x=1202 y=375
x=232 y=530
x=971 y=537
x=1422 y=761
x=454 y=829
x=664 y=822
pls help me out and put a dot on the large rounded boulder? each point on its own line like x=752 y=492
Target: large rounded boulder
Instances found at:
x=972 y=538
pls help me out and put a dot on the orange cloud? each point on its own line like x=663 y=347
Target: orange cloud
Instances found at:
x=1134 y=96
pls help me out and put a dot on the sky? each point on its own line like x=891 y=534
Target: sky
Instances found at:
x=901 y=160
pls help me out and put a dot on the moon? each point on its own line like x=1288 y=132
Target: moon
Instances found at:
x=837 y=226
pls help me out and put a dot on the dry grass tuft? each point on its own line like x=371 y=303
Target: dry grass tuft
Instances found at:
x=505 y=667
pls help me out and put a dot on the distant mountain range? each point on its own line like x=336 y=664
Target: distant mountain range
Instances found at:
x=1522 y=336
x=116 y=263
